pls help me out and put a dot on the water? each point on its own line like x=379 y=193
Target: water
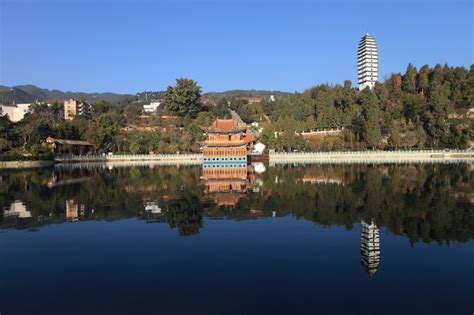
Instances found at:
x=345 y=239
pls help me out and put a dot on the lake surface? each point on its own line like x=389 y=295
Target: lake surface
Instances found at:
x=319 y=239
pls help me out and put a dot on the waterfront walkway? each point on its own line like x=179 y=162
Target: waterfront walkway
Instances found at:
x=287 y=158
x=164 y=159
x=421 y=156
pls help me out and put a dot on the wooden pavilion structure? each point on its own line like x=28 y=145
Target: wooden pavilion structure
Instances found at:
x=69 y=146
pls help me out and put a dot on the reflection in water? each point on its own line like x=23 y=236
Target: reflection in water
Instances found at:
x=421 y=202
x=58 y=181
x=152 y=207
x=17 y=209
x=74 y=210
x=226 y=184
x=153 y=213
x=369 y=247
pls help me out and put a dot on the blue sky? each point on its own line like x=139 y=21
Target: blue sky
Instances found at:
x=131 y=46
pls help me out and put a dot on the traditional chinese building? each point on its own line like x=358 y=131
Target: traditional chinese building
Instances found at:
x=227 y=141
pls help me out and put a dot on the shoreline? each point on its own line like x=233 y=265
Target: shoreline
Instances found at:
x=25 y=164
x=356 y=157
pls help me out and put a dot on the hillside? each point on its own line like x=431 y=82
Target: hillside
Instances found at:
x=246 y=93
x=31 y=93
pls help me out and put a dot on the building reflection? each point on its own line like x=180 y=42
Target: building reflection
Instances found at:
x=369 y=247
x=152 y=212
x=17 y=209
x=226 y=175
x=227 y=183
x=59 y=178
x=74 y=211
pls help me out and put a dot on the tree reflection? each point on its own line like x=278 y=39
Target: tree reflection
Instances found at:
x=185 y=214
x=424 y=202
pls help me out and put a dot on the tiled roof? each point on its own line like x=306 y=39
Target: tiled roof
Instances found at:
x=225 y=124
x=234 y=143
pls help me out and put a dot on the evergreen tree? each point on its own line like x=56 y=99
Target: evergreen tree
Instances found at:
x=409 y=79
x=371 y=114
x=184 y=98
x=436 y=116
x=423 y=79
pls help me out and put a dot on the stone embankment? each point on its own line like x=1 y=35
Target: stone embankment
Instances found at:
x=422 y=156
x=163 y=159
x=24 y=164
x=425 y=156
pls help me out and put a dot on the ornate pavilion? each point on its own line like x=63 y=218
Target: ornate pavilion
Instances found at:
x=227 y=141
x=226 y=176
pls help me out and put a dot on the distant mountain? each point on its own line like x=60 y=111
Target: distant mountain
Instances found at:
x=30 y=93
x=211 y=98
x=247 y=93
x=10 y=95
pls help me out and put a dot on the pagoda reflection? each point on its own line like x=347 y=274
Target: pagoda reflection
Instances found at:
x=227 y=183
x=369 y=247
x=226 y=175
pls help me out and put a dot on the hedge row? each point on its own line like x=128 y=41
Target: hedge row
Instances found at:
x=19 y=157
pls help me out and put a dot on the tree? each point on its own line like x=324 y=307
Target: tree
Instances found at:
x=268 y=137
x=394 y=140
x=41 y=130
x=412 y=106
x=371 y=113
x=184 y=98
x=421 y=135
x=423 y=79
x=347 y=84
x=6 y=128
x=221 y=110
x=4 y=145
x=103 y=131
x=67 y=130
x=310 y=123
x=372 y=133
x=409 y=79
x=436 y=117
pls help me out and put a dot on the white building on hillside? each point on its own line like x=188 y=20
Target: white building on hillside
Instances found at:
x=367 y=62
x=152 y=107
x=17 y=112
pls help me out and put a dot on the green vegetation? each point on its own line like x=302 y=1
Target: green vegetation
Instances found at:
x=420 y=109
x=30 y=93
x=184 y=99
x=428 y=108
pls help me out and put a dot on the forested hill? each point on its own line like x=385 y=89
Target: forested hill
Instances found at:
x=30 y=93
x=245 y=93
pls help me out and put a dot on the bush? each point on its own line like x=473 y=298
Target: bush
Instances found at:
x=4 y=145
x=19 y=157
